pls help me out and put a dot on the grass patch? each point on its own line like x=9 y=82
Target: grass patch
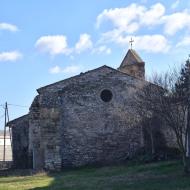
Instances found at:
x=154 y=176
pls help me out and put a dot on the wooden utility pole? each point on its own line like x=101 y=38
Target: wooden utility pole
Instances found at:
x=10 y=131
x=5 y=130
x=4 y=149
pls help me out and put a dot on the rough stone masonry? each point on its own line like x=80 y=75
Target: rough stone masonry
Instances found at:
x=83 y=120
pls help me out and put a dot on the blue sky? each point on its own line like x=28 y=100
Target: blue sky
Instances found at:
x=44 y=41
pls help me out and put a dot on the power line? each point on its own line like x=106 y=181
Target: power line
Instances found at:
x=22 y=106
x=17 y=105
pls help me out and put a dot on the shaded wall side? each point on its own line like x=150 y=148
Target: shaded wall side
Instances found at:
x=20 y=142
x=35 y=141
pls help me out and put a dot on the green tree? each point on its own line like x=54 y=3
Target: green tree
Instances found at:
x=182 y=91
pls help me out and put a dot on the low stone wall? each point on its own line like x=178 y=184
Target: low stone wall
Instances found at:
x=5 y=165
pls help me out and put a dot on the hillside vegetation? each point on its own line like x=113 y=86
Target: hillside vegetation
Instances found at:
x=154 y=176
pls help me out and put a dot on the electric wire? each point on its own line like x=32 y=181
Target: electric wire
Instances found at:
x=18 y=105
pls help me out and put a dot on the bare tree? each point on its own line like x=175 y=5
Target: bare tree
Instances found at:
x=159 y=97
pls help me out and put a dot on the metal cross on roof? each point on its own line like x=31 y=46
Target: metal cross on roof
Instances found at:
x=131 y=42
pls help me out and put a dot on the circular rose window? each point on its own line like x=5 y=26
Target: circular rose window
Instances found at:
x=106 y=95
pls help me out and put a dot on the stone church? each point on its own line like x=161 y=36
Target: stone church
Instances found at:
x=83 y=120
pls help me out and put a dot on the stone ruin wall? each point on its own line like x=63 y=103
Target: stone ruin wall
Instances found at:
x=71 y=126
x=74 y=127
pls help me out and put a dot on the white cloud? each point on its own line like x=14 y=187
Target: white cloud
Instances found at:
x=9 y=27
x=176 y=21
x=53 y=45
x=132 y=18
x=150 y=43
x=10 y=56
x=111 y=36
x=84 y=43
x=73 y=69
x=185 y=42
x=175 y=4
x=128 y=20
x=55 y=70
x=153 y=15
x=122 y=18
x=57 y=44
x=102 y=49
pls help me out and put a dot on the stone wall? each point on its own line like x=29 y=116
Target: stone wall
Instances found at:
x=95 y=131
x=44 y=133
x=5 y=165
x=20 y=141
x=136 y=70
x=88 y=119
x=71 y=126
